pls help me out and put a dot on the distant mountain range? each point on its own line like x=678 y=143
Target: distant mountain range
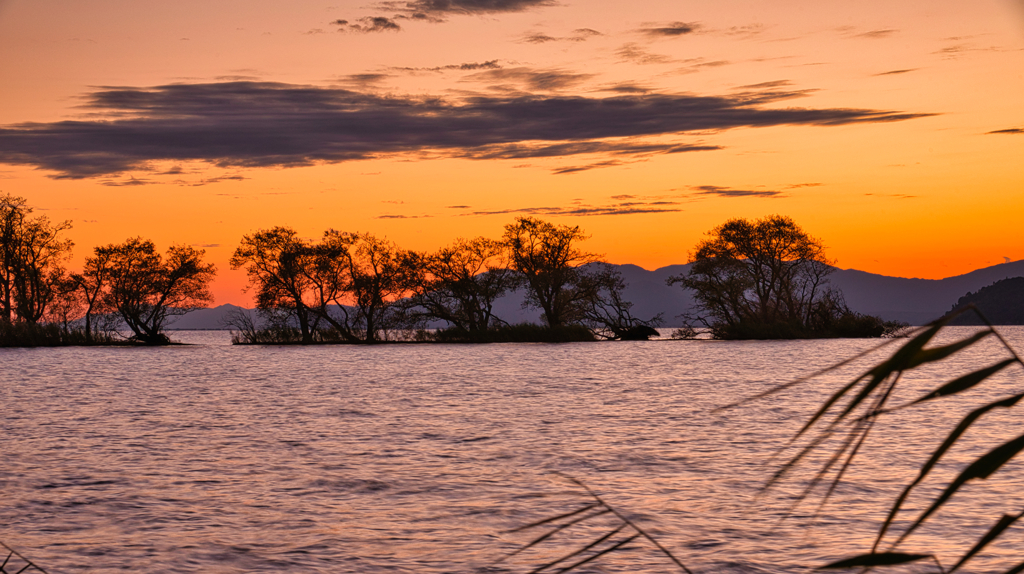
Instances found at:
x=1002 y=303
x=915 y=301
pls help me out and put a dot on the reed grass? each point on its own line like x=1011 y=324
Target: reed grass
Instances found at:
x=15 y=563
x=614 y=535
x=849 y=415
x=851 y=412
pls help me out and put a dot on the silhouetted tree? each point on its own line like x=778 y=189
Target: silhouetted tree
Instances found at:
x=89 y=286
x=380 y=274
x=461 y=283
x=766 y=279
x=607 y=312
x=32 y=257
x=145 y=288
x=277 y=262
x=552 y=268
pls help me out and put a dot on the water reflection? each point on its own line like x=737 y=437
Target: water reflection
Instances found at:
x=416 y=458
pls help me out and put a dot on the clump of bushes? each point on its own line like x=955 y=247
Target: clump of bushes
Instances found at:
x=51 y=335
x=520 y=333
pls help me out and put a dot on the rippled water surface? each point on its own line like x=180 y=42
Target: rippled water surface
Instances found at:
x=419 y=458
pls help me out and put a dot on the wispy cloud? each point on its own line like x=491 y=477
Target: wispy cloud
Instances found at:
x=637 y=54
x=774 y=84
x=720 y=191
x=130 y=182
x=876 y=34
x=263 y=124
x=1007 y=131
x=464 y=67
x=671 y=30
x=364 y=81
x=578 y=35
x=434 y=11
x=580 y=208
x=896 y=72
x=450 y=7
x=368 y=25
x=530 y=79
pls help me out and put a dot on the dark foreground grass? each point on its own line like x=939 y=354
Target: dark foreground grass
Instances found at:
x=50 y=335
x=846 y=420
x=521 y=333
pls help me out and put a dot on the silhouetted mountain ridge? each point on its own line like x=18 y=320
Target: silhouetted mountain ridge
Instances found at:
x=1002 y=303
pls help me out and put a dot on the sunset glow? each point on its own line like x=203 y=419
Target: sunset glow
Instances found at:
x=893 y=131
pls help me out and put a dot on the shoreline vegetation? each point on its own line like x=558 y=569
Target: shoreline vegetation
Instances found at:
x=760 y=279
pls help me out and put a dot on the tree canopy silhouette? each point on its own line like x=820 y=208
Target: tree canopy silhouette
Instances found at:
x=552 y=267
x=146 y=288
x=767 y=279
x=461 y=282
x=32 y=257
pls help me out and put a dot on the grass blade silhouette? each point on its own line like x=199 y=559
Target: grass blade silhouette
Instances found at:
x=979 y=469
x=608 y=550
x=1002 y=524
x=580 y=551
x=945 y=446
x=871 y=560
x=554 y=518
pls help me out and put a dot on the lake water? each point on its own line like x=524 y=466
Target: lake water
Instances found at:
x=419 y=458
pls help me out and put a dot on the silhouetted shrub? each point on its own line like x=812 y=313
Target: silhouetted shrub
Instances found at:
x=24 y=334
x=520 y=333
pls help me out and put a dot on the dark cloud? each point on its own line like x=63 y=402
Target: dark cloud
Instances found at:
x=746 y=32
x=402 y=216
x=628 y=88
x=464 y=67
x=531 y=79
x=586 y=167
x=539 y=38
x=264 y=124
x=766 y=85
x=896 y=72
x=217 y=179
x=578 y=35
x=876 y=34
x=580 y=209
x=730 y=192
x=1007 y=131
x=895 y=195
x=206 y=245
x=672 y=30
x=458 y=206
x=638 y=54
x=364 y=81
x=439 y=9
x=521 y=151
x=131 y=182
x=368 y=25
x=697 y=64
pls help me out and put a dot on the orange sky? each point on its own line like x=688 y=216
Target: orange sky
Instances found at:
x=893 y=131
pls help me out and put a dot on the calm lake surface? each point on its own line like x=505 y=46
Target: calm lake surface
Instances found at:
x=419 y=458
